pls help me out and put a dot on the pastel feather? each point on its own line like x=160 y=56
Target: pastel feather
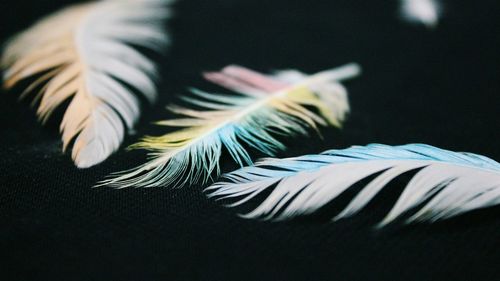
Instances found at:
x=447 y=183
x=82 y=54
x=265 y=107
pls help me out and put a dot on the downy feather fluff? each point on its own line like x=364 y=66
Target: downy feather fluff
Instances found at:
x=83 y=54
x=446 y=184
x=266 y=106
x=425 y=12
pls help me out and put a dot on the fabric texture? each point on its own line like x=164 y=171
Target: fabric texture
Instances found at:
x=436 y=86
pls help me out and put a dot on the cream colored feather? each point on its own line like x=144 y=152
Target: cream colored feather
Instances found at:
x=82 y=54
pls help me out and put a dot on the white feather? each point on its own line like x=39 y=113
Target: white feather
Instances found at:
x=85 y=56
x=447 y=183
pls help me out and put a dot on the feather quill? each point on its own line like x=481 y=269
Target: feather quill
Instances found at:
x=83 y=54
x=425 y=12
x=447 y=183
x=267 y=106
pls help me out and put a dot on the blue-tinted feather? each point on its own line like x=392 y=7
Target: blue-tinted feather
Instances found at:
x=447 y=183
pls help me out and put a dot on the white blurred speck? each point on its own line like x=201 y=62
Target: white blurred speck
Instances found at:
x=421 y=11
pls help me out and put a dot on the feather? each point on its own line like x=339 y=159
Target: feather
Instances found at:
x=83 y=54
x=266 y=106
x=421 y=11
x=447 y=183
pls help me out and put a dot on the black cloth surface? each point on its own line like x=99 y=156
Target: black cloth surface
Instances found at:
x=439 y=87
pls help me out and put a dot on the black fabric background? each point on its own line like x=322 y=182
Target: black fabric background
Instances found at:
x=439 y=87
